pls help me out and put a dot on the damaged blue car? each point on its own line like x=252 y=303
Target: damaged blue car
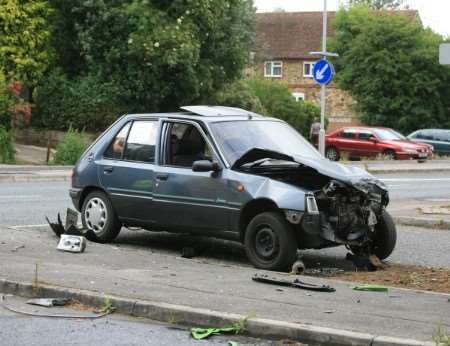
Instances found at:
x=228 y=173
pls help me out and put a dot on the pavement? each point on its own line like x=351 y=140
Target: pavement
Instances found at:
x=31 y=154
x=213 y=290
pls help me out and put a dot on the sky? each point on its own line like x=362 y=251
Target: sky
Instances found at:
x=434 y=13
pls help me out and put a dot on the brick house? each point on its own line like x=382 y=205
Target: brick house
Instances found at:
x=283 y=43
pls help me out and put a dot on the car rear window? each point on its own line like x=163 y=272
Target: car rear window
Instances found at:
x=115 y=149
x=348 y=133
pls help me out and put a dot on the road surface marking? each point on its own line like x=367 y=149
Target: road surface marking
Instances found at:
x=29 y=226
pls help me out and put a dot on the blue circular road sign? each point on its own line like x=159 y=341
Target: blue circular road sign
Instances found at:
x=323 y=72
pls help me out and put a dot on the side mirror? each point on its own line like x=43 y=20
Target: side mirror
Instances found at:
x=206 y=166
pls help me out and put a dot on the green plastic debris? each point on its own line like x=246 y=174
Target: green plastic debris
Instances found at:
x=371 y=288
x=233 y=343
x=203 y=333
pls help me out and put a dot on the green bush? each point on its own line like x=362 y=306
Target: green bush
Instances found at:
x=81 y=103
x=271 y=98
x=69 y=150
x=6 y=145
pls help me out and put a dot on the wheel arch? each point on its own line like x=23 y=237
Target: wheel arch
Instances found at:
x=253 y=208
x=86 y=191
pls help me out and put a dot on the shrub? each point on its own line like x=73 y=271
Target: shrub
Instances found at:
x=6 y=145
x=270 y=98
x=69 y=150
x=81 y=103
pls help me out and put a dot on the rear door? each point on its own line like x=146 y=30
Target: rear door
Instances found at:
x=347 y=142
x=366 y=146
x=127 y=168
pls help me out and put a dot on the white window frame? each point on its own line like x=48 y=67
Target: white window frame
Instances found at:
x=272 y=63
x=305 y=63
x=298 y=96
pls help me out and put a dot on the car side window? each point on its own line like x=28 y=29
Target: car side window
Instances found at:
x=429 y=135
x=348 y=134
x=186 y=145
x=115 y=149
x=140 y=145
x=366 y=135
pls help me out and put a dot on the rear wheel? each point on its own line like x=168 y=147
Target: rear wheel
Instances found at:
x=270 y=242
x=99 y=218
x=389 y=154
x=332 y=154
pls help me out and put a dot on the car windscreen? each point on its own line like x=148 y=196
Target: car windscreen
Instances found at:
x=389 y=135
x=236 y=138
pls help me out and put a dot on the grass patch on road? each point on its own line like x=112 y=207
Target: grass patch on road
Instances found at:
x=404 y=276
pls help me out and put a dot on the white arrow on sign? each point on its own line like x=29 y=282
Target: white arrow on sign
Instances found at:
x=320 y=73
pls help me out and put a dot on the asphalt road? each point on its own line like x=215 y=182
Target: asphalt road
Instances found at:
x=17 y=329
x=26 y=204
x=29 y=203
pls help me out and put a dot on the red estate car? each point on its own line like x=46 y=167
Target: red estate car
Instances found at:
x=358 y=142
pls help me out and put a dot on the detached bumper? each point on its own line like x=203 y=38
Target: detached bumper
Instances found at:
x=75 y=195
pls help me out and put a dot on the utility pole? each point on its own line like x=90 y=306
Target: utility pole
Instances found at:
x=323 y=91
x=323 y=73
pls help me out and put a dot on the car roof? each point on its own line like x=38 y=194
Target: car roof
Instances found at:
x=206 y=113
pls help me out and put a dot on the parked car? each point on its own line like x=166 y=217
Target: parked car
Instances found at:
x=228 y=173
x=438 y=138
x=369 y=142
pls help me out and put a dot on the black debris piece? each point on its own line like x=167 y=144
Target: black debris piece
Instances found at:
x=297 y=283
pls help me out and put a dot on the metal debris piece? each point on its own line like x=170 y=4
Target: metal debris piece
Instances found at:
x=48 y=302
x=72 y=243
x=296 y=283
x=71 y=225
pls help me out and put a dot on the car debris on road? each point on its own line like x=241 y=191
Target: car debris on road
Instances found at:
x=72 y=239
x=295 y=283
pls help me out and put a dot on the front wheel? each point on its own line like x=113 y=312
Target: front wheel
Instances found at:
x=270 y=242
x=385 y=236
x=332 y=154
x=99 y=218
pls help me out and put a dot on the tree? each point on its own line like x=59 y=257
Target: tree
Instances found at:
x=389 y=64
x=162 y=53
x=271 y=98
x=378 y=4
x=25 y=32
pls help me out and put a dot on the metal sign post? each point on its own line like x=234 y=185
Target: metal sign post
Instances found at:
x=320 y=73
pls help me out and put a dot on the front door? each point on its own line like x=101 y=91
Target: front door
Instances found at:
x=184 y=199
x=127 y=168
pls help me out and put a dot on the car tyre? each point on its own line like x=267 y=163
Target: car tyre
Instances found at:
x=332 y=154
x=99 y=218
x=270 y=242
x=389 y=154
x=385 y=238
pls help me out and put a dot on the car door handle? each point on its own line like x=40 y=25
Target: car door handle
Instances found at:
x=162 y=176
x=108 y=169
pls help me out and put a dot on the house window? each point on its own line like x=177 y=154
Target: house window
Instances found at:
x=299 y=96
x=308 y=69
x=273 y=69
